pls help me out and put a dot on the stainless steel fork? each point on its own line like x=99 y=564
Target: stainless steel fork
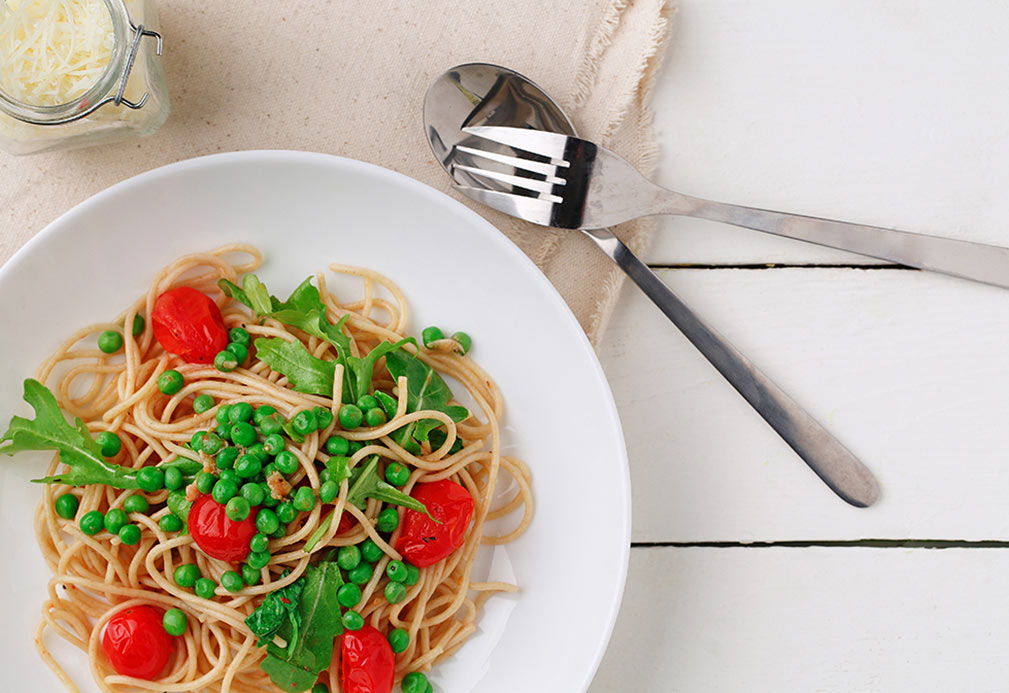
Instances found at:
x=571 y=183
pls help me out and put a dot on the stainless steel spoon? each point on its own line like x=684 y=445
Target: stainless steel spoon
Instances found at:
x=482 y=94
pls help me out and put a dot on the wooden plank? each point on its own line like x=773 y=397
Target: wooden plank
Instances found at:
x=907 y=368
x=883 y=112
x=830 y=620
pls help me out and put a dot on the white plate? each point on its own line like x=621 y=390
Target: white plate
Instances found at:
x=306 y=211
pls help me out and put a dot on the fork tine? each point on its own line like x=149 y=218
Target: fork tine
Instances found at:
x=529 y=208
x=544 y=169
x=533 y=184
x=540 y=142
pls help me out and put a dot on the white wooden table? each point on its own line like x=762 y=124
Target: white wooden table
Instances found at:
x=746 y=573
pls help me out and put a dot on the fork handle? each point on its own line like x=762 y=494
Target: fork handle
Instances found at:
x=988 y=264
x=835 y=464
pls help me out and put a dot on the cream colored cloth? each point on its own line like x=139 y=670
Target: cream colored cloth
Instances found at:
x=349 y=78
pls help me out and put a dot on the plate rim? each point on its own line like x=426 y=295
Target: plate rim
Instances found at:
x=64 y=222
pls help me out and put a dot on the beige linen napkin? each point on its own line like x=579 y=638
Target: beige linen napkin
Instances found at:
x=349 y=78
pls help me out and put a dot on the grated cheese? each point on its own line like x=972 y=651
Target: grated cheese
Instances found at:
x=53 y=51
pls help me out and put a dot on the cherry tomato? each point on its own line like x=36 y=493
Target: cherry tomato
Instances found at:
x=189 y=323
x=347 y=521
x=136 y=644
x=367 y=662
x=217 y=534
x=424 y=542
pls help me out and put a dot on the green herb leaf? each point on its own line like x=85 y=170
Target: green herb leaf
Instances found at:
x=296 y=667
x=425 y=389
x=179 y=506
x=368 y=484
x=278 y=607
x=305 y=372
x=388 y=402
x=361 y=369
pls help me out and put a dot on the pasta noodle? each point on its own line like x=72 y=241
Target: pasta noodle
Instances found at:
x=96 y=577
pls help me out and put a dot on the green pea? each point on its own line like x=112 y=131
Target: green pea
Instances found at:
x=170 y=382
x=375 y=417
x=211 y=444
x=286 y=512
x=361 y=574
x=232 y=581
x=268 y=500
x=329 y=490
x=272 y=423
x=92 y=522
x=464 y=342
x=110 y=443
x=353 y=620
x=387 y=520
x=224 y=490
x=203 y=403
x=414 y=682
x=258 y=559
x=351 y=416
x=250 y=576
x=273 y=443
x=259 y=543
x=223 y=430
x=170 y=523
x=355 y=445
x=174 y=622
x=151 y=479
x=205 y=588
x=231 y=476
x=267 y=521
x=269 y=469
x=240 y=351
x=196 y=442
x=399 y=640
x=304 y=422
x=205 y=482
x=239 y=336
x=136 y=504
x=324 y=476
x=138 y=325
x=226 y=362
x=243 y=434
x=287 y=462
x=395 y=592
x=237 y=509
x=110 y=341
x=248 y=466
x=320 y=687
x=261 y=412
x=370 y=551
x=129 y=534
x=187 y=574
x=223 y=414
x=397 y=474
x=259 y=451
x=396 y=571
x=240 y=411
x=253 y=493
x=173 y=478
x=348 y=595
x=66 y=506
x=337 y=446
x=323 y=417
x=304 y=499
x=412 y=575
x=366 y=402
x=226 y=458
x=348 y=557
x=431 y=334
x=115 y=520
x=280 y=533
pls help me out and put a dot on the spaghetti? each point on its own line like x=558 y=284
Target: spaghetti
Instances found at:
x=99 y=575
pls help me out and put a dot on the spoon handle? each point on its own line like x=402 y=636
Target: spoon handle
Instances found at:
x=832 y=462
x=988 y=264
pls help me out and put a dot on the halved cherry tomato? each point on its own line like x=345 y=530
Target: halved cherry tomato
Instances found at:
x=217 y=534
x=424 y=542
x=189 y=323
x=136 y=644
x=346 y=522
x=367 y=662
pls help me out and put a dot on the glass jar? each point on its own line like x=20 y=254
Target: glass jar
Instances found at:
x=130 y=99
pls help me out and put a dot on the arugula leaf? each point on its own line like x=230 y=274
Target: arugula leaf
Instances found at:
x=296 y=667
x=369 y=485
x=253 y=294
x=361 y=369
x=305 y=372
x=425 y=389
x=179 y=506
x=278 y=607
x=388 y=403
